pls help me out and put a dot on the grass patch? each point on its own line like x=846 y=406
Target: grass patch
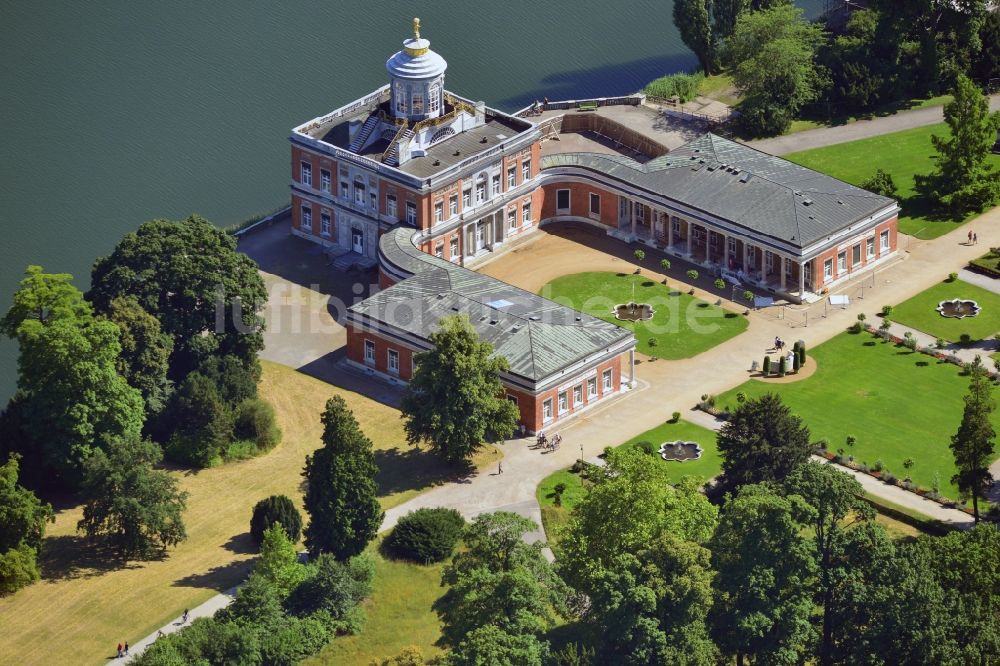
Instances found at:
x=901 y=154
x=877 y=392
x=86 y=603
x=682 y=326
x=719 y=87
x=989 y=263
x=397 y=615
x=554 y=518
x=683 y=86
x=708 y=466
x=892 y=109
x=920 y=312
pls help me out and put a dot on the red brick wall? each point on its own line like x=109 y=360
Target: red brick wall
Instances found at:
x=356 y=352
x=889 y=225
x=530 y=405
x=579 y=201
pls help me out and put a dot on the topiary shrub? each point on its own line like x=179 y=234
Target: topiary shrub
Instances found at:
x=253 y=420
x=639 y=255
x=720 y=283
x=965 y=339
x=675 y=417
x=952 y=277
x=802 y=353
x=665 y=264
x=766 y=368
x=782 y=366
x=796 y=363
x=426 y=535
x=692 y=274
x=886 y=310
x=275 y=509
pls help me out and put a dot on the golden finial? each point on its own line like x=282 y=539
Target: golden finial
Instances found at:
x=416 y=28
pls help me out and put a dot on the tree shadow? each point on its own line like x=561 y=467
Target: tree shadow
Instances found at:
x=220 y=578
x=71 y=557
x=241 y=544
x=401 y=470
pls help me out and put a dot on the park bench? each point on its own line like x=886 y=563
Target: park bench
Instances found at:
x=587 y=106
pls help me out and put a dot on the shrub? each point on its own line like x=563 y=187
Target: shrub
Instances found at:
x=862 y=317
x=952 y=277
x=653 y=342
x=885 y=325
x=940 y=343
x=880 y=183
x=675 y=417
x=909 y=341
x=682 y=86
x=878 y=466
x=855 y=328
x=748 y=296
x=720 y=283
x=639 y=255
x=646 y=447
x=822 y=443
x=889 y=478
x=692 y=274
x=851 y=440
x=782 y=366
x=886 y=310
x=275 y=509
x=254 y=421
x=767 y=365
x=741 y=397
x=665 y=264
x=18 y=568
x=796 y=363
x=426 y=535
x=908 y=463
x=557 y=493
x=802 y=353
x=965 y=339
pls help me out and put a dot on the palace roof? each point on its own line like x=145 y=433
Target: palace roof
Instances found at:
x=538 y=337
x=751 y=189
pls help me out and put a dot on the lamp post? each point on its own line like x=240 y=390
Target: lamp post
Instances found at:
x=581 y=451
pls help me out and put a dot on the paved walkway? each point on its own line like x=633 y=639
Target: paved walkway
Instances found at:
x=980 y=280
x=207 y=609
x=861 y=129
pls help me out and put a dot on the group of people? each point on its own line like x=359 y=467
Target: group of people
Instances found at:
x=123 y=650
x=973 y=237
x=542 y=441
x=779 y=344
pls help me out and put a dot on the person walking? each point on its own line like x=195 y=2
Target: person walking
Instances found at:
x=126 y=648
x=119 y=651
x=970 y=236
x=184 y=618
x=499 y=468
x=975 y=239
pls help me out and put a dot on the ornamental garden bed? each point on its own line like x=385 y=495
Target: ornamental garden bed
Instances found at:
x=988 y=264
x=681 y=326
x=920 y=312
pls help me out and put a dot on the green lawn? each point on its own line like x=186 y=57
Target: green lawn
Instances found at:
x=920 y=312
x=901 y=154
x=801 y=125
x=708 y=466
x=682 y=326
x=898 y=404
x=397 y=615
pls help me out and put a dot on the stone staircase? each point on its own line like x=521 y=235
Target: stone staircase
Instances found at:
x=361 y=138
x=391 y=156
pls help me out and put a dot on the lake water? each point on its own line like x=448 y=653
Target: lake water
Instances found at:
x=114 y=113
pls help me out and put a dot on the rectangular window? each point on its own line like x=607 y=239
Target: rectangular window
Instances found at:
x=417 y=103
x=562 y=199
x=439 y=211
x=547 y=410
x=324 y=224
x=307 y=218
x=842 y=262
x=512 y=399
x=856 y=255
x=563 y=402
x=578 y=395
x=592 y=387
x=495 y=181
x=369 y=351
x=606 y=379
x=595 y=204
x=394 y=361
x=454 y=246
x=306 y=173
x=675 y=222
x=439 y=250
x=512 y=218
x=373 y=201
x=324 y=180
x=526 y=214
x=344 y=190
x=731 y=242
x=525 y=170
x=453 y=205
x=390 y=205
x=467 y=198
x=828 y=269
x=359 y=193
x=411 y=212
x=883 y=240
x=480 y=193
x=511 y=178
x=870 y=247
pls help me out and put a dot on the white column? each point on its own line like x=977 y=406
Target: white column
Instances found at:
x=783 y=260
x=631 y=368
x=688 y=253
x=708 y=246
x=746 y=257
x=631 y=214
x=802 y=278
x=670 y=231
x=725 y=251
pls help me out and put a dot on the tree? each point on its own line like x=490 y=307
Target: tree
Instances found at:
x=963 y=180
x=881 y=183
x=762 y=597
x=275 y=509
x=204 y=422
x=691 y=19
x=500 y=581
x=490 y=644
x=836 y=498
x=761 y=441
x=724 y=15
x=188 y=275
x=278 y=562
x=426 y=535
x=772 y=56
x=136 y=509
x=22 y=526
x=344 y=514
x=973 y=444
x=71 y=398
x=145 y=355
x=455 y=399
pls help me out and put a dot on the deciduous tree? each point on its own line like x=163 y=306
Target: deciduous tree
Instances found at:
x=692 y=20
x=341 y=493
x=963 y=180
x=973 y=444
x=724 y=15
x=22 y=526
x=455 y=400
x=136 y=509
x=144 y=360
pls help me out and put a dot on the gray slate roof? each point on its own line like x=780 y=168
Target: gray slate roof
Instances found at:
x=744 y=186
x=537 y=336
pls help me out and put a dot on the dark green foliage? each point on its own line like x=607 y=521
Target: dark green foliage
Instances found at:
x=333 y=587
x=766 y=367
x=782 y=365
x=426 y=535
x=692 y=21
x=344 y=514
x=275 y=509
x=206 y=641
x=203 y=421
x=144 y=360
x=22 y=526
x=796 y=363
x=455 y=400
x=236 y=379
x=70 y=398
x=254 y=421
x=987 y=62
x=724 y=15
x=963 y=181
x=188 y=275
x=490 y=644
x=761 y=441
x=973 y=444
x=573 y=654
x=131 y=506
x=881 y=183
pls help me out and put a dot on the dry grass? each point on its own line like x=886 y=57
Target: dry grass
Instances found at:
x=85 y=604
